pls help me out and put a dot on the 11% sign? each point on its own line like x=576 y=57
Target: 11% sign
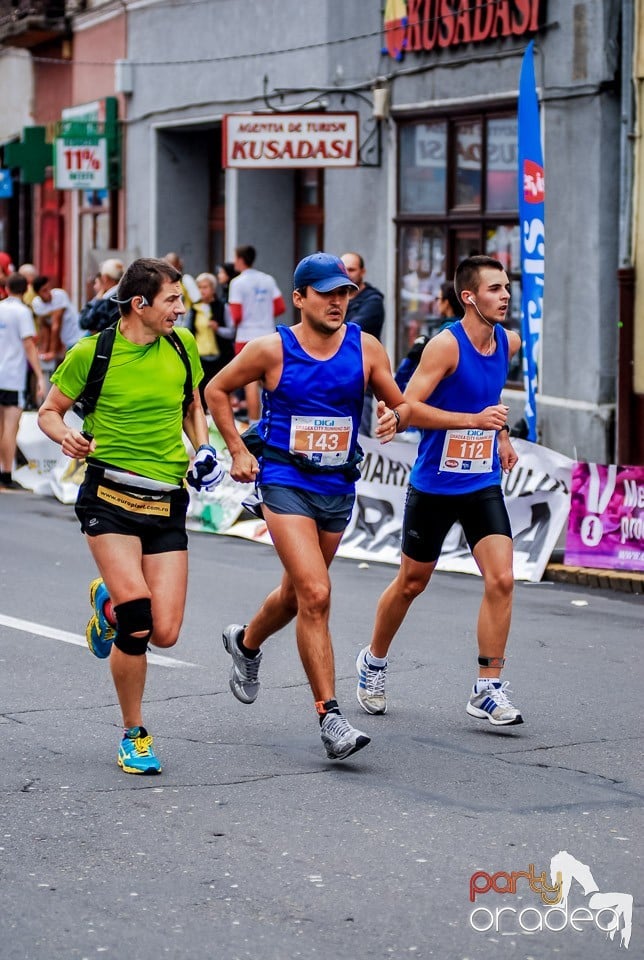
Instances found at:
x=81 y=165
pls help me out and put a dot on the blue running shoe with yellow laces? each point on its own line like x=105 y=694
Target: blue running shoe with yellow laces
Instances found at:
x=100 y=633
x=136 y=754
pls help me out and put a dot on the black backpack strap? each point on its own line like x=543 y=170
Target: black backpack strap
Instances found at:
x=177 y=343
x=86 y=402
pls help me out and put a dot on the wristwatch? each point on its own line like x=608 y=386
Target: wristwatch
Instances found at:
x=506 y=426
x=397 y=416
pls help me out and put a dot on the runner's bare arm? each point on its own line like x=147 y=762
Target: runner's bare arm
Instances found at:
x=261 y=360
x=438 y=360
x=51 y=422
x=194 y=423
x=385 y=389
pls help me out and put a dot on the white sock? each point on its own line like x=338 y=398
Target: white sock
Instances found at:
x=484 y=683
x=375 y=661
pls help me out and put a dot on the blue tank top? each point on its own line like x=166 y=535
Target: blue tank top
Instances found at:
x=462 y=461
x=315 y=411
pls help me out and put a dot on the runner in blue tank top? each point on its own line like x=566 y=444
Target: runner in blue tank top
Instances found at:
x=314 y=376
x=455 y=399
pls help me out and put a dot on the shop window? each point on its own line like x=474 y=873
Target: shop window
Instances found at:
x=96 y=232
x=309 y=212
x=501 y=167
x=468 y=165
x=457 y=196
x=423 y=167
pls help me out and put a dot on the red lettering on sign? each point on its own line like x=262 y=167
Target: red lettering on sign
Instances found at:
x=462 y=25
x=448 y=23
x=501 y=26
x=482 y=22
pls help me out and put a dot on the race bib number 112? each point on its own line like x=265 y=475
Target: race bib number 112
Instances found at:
x=468 y=451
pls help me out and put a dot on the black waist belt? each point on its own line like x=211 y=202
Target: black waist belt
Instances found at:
x=261 y=449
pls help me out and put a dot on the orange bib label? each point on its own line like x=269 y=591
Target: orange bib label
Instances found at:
x=468 y=451
x=322 y=440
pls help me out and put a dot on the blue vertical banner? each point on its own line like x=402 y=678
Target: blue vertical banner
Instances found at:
x=6 y=184
x=532 y=189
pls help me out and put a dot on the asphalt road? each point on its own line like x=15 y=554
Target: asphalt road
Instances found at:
x=251 y=844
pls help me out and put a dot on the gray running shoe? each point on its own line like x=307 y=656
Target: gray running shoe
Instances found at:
x=493 y=704
x=371 y=685
x=339 y=738
x=243 y=673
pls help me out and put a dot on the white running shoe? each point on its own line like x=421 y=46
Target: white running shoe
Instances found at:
x=339 y=738
x=243 y=673
x=371 y=685
x=492 y=703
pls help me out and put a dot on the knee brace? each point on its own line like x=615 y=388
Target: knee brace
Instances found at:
x=134 y=616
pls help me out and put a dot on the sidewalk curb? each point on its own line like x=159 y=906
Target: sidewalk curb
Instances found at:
x=621 y=581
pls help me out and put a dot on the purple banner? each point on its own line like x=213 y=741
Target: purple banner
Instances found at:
x=606 y=521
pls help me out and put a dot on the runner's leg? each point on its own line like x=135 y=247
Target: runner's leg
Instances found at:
x=9 y=422
x=306 y=553
x=493 y=555
x=396 y=600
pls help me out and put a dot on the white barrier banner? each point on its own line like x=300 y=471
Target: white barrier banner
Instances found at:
x=536 y=492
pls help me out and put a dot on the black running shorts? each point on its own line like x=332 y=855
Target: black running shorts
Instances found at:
x=158 y=520
x=429 y=517
x=12 y=398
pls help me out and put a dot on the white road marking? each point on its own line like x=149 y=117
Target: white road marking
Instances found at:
x=39 y=629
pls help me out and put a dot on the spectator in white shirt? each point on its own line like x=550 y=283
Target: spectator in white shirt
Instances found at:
x=255 y=301
x=53 y=308
x=17 y=346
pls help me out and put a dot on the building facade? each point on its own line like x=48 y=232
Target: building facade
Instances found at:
x=433 y=88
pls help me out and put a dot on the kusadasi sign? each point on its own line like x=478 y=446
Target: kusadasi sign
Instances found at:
x=414 y=26
x=278 y=140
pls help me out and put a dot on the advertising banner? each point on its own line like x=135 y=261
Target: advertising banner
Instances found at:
x=606 y=522
x=537 y=495
x=80 y=163
x=531 y=219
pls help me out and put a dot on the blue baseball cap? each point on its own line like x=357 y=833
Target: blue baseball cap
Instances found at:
x=323 y=272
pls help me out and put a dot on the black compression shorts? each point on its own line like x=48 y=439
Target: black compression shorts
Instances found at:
x=429 y=517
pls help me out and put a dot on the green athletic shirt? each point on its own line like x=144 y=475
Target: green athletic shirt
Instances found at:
x=137 y=423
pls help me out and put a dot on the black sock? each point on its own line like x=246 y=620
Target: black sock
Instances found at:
x=251 y=654
x=5 y=477
x=329 y=706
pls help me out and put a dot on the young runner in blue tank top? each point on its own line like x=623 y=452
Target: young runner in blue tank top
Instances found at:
x=454 y=397
x=314 y=376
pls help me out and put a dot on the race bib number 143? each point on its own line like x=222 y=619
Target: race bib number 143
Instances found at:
x=322 y=440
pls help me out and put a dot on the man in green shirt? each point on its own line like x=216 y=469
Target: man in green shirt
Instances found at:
x=132 y=503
